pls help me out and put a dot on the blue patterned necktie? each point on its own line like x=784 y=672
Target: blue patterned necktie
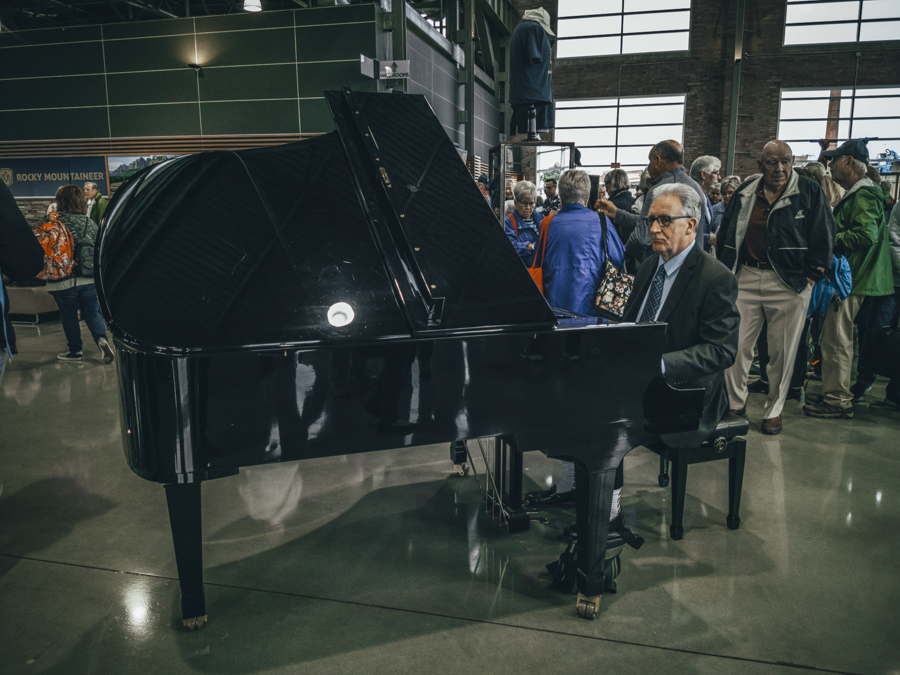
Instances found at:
x=654 y=296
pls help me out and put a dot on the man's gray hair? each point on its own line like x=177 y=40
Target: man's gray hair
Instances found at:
x=690 y=200
x=731 y=181
x=705 y=163
x=524 y=191
x=816 y=168
x=858 y=165
x=574 y=187
x=93 y=185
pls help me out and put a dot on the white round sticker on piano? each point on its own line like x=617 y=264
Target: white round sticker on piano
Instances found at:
x=340 y=314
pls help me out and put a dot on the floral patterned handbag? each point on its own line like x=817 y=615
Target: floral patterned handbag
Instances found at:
x=614 y=288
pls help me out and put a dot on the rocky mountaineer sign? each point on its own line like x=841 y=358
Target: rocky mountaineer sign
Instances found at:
x=42 y=176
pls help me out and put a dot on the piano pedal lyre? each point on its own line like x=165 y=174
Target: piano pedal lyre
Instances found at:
x=195 y=623
x=458 y=455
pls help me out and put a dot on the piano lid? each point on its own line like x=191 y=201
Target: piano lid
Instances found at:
x=268 y=247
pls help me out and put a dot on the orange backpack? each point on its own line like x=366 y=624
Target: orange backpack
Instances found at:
x=59 y=249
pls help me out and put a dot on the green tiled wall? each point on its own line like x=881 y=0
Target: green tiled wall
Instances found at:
x=262 y=73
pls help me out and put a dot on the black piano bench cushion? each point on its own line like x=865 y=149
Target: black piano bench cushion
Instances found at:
x=730 y=426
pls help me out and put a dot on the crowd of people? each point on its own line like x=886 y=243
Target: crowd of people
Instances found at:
x=65 y=266
x=790 y=236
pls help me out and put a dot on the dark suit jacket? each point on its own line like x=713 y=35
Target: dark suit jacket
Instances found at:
x=701 y=332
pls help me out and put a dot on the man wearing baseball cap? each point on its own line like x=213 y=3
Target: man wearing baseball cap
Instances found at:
x=862 y=237
x=483 y=184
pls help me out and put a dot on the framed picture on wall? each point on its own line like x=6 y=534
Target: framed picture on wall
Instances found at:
x=123 y=168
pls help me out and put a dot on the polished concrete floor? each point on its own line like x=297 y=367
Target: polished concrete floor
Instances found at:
x=386 y=562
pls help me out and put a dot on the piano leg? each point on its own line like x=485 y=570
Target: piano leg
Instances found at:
x=735 y=481
x=183 y=501
x=594 y=490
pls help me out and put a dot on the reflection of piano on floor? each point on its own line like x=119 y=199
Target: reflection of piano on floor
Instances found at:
x=222 y=277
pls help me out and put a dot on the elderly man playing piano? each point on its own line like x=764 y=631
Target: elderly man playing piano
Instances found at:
x=695 y=296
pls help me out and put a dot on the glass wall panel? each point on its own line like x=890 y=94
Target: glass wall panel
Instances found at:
x=847 y=21
x=654 y=134
x=580 y=21
x=635 y=157
x=881 y=9
x=820 y=34
x=642 y=122
x=654 y=114
x=856 y=119
x=608 y=46
x=642 y=23
x=655 y=5
x=876 y=107
x=879 y=30
x=585 y=7
x=836 y=11
x=793 y=110
x=664 y=42
x=601 y=25
x=585 y=117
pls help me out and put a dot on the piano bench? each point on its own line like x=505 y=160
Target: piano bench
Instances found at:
x=725 y=443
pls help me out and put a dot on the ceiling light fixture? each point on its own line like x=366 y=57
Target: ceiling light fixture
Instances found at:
x=252 y=5
x=196 y=67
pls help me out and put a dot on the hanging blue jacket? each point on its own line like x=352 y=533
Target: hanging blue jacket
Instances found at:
x=574 y=258
x=838 y=281
x=520 y=235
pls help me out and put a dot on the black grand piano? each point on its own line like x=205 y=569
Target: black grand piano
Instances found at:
x=303 y=287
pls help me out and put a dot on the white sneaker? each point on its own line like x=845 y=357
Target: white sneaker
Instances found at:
x=105 y=350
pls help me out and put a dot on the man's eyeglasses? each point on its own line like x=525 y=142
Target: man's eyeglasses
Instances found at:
x=664 y=221
x=526 y=204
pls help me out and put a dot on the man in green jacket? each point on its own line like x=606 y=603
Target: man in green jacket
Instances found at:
x=96 y=202
x=863 y=238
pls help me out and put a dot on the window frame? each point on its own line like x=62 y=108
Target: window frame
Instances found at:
x=853 y=97
x=859 y=21
x=622 y=34
x=678 y=99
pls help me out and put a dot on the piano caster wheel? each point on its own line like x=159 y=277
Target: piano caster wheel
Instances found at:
x=195 y=623
x=462 y=469
x=663 y=480
x=588 y=608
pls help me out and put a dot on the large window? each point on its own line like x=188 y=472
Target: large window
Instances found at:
x=830 y=21
x=619 y=130
x=608 y=27
x=807 y=115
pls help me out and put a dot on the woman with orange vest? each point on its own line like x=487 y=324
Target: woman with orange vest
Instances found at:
x=521 y=226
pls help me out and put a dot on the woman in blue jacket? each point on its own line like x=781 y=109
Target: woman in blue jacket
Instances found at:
x=521 y=226
x=574 y=258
